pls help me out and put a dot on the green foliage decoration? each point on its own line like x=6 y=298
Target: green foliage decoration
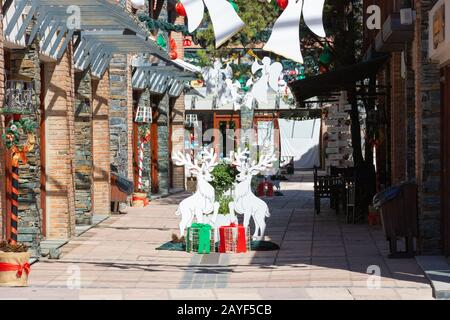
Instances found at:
x=17 y=128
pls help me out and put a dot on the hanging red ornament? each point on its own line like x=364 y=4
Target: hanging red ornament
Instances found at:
x=282 y=4
x=179 y=8
x=323 y=69
x=187 y=42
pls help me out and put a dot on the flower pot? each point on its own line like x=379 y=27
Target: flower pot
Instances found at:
x=14 y=269
x=140 y=200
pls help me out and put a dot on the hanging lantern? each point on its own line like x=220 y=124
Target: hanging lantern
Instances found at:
x=143 y=114
x=325 y=57
x=179 y=8
x=282 y=4
x=173 y=49
x=323 y=69
x=235 y=6
x=161 y=41
x=191 y=120
x=187 y=42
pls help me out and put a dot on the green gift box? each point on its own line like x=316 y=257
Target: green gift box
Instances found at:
x=198 y=238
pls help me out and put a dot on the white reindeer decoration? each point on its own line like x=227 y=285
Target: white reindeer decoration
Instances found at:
x=245 y=202
x=202 y=202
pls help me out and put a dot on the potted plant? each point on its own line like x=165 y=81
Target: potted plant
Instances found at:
x=14 y=265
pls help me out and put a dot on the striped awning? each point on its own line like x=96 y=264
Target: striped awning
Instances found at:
x=160 y=77
x=100 y=27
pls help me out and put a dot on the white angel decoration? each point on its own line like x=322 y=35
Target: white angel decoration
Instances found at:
x=216 y=85
x=225 y=20
x=285 y=37
x=271 y=73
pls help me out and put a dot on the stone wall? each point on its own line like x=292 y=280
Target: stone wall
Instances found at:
x=428 y=156
x=83 y=144
x=163 y=144
x=118 y=117
x=25 y=66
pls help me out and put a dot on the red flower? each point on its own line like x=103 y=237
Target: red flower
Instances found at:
x=282 y=4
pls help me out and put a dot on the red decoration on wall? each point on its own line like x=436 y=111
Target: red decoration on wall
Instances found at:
x=282 y=4
x=179 y=8
x=173 y=49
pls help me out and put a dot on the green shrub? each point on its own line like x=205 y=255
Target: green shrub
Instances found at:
x=224 y=176
x=224 y=202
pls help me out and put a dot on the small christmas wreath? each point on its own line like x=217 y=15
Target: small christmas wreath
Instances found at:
x=145 y=133
x=12 y=138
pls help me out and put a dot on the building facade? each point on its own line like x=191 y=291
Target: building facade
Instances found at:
x=416 y=101
x=83 y=101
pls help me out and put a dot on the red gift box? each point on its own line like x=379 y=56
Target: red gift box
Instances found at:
x=232 y=239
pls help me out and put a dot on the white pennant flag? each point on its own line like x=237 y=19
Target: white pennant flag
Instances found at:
x=285 y=37
x=225 y=20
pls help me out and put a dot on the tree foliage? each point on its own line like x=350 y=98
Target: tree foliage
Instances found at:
x=343 y=25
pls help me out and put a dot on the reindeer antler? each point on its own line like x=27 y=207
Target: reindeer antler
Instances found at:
x=181 y=160
x=239 y=159
x=264 y=163
x=209 y=159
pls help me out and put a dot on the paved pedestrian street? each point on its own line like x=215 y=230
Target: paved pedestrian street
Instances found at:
x=321 y=257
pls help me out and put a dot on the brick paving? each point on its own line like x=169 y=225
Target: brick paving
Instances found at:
x=321 y=257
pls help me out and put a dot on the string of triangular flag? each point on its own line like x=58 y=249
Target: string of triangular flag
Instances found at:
x=284 y=41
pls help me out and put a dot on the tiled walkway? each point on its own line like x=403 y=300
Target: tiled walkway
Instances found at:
x=320 y=258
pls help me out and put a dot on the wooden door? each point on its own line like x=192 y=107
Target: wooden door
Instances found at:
x=224 y=138
x=445 y=131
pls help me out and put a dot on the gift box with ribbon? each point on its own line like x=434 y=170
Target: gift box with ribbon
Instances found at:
x=14 y=269
x=198 y=238
x=233 y=239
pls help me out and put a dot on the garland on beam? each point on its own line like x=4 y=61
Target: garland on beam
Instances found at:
x=155 y=24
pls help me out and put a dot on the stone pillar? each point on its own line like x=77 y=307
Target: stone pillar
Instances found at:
x=428 y=146
x=83 y=144
x=101 y=195
x=119 y=113
x=398 y=121
x=59 y=112
x=163 y=124
x=163 y=144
